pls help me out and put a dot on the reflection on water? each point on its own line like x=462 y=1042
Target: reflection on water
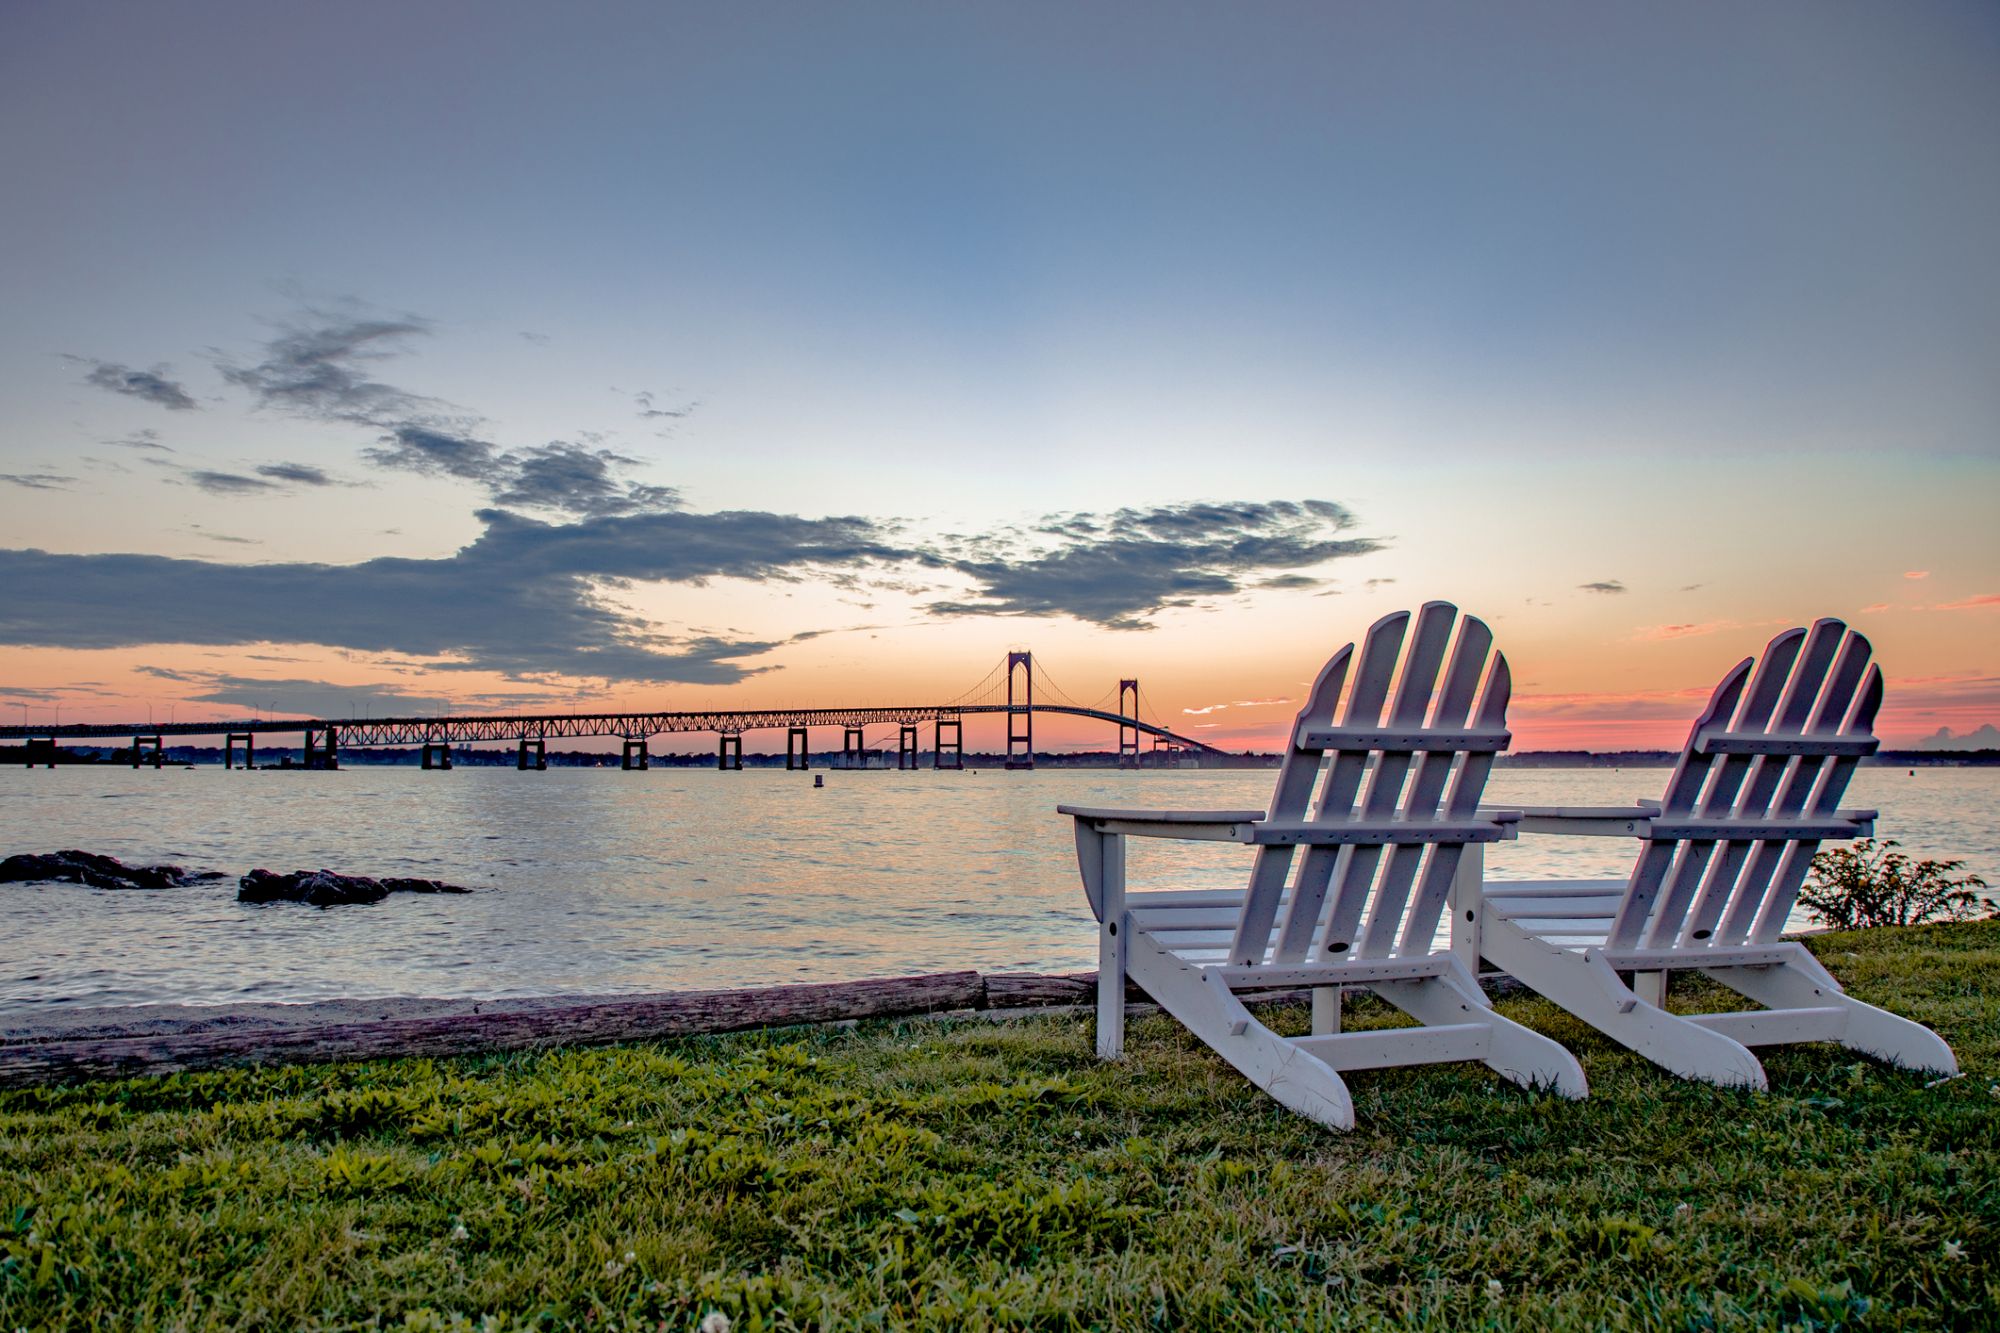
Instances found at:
x=603 y=881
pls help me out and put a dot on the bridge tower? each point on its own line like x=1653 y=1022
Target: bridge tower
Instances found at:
x=957 y=742
x=1020 y=716
x=1128 y=733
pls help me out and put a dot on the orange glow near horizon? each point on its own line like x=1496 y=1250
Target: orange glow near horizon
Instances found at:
x=1236 y=700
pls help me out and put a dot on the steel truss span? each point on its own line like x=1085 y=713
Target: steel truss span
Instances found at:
x=454 y=730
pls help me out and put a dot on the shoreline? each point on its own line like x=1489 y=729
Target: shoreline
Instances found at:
x=86 y=1044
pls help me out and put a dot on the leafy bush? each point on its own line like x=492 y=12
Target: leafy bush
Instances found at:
x=1871 y=884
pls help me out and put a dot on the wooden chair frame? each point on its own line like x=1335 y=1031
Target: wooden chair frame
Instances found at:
x=1721 y=861
x=1384 y=805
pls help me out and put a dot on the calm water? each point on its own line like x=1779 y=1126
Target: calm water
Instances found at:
x=602 y=881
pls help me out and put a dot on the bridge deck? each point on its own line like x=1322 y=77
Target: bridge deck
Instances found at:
x=449 y=729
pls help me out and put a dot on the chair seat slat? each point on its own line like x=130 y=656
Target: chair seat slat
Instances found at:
x=1528 y=909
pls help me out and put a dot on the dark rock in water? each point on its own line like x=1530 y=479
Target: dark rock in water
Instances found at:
x=323 y=888
x=99 y=872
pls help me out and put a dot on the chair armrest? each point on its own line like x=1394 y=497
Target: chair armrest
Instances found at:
x=1599 y=821
x=1202 y=825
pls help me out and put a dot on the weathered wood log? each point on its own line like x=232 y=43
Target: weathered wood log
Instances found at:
x=640 y=1018
x=1029 y=990
x=32 y=1061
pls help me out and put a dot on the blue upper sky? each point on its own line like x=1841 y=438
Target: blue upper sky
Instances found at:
x=1536 y=296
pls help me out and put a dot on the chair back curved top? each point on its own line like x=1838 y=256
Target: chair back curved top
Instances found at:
x=1754 y=793
x=1390 y=752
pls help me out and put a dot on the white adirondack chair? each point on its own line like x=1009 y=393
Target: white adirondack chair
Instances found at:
x=1722 y=858
x=1407 y=783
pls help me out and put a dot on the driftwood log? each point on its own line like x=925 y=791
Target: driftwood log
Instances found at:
x=637 y=1018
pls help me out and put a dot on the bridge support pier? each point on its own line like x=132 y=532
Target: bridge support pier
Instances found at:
x=957 y=733
x=442 y=751
x=325 y=756
x=729 y=752
x=38 y=752
x=1021 y=716
x=229 y=740
x=906 y=746
x=636 y=756
x=797 y=756
x=541 y=751
x=852 y=751
x=1128 y=732
x=141 y=745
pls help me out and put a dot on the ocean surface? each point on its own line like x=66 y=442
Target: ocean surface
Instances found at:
x=597 y=881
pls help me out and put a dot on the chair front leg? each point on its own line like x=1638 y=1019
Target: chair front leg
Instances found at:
x=1102 y=858
x=1468 y=913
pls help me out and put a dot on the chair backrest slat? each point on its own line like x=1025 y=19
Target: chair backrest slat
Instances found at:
x=1363 y=708
x=1725 y=866
x=1772 y=752
x=1826 y=796
x=1694 y=772
x=1357 y=866
x=1297 y=771
x=1394 y=748
x=1467 y=778
x=1396 y=788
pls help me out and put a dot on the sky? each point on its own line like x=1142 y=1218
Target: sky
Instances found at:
x=384 y=358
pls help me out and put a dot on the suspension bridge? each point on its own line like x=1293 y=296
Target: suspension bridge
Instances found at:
x=436 y=736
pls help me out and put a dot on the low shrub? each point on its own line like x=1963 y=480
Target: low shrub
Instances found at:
x=1871 y=884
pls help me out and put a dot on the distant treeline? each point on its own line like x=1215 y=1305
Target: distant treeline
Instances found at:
x=290 y=757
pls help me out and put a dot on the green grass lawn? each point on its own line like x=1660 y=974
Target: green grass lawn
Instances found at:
x=967 y=1174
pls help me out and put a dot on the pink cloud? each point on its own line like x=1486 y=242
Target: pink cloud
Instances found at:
x=1970 y=603
x=1874 y=607
x=1655 y=632
x=1916 y=573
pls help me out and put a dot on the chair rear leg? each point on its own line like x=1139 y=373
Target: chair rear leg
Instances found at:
x=1298 y=1080
x=1804 y=984
x=1587 y=987
x=1112 y=939
x=1516 y=1053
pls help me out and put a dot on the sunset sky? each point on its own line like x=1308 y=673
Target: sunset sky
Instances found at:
x=388 y=358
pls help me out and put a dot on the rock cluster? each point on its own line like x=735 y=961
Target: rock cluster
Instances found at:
x=324 y=888
x=99 y=872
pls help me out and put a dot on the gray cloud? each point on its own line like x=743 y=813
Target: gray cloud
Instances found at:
x=432 y=452
x=567 y=478
x=575 y=480
x=522 y=600
x=320 y=369
x=142 y=439
x=323 y=367
x=643 y=400
x=1118 y=569
x=1604 y=586
x=228 y=483
x=37 y=481
x=302 y=473
x=151 y=385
